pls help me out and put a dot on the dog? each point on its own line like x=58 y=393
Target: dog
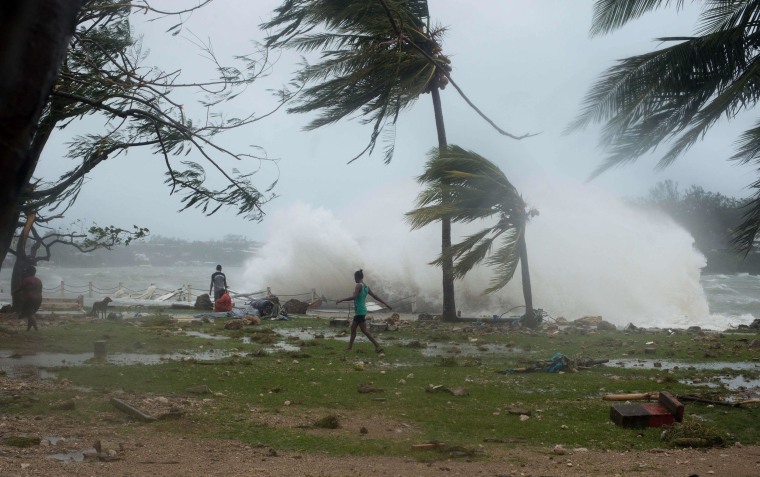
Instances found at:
x=100 y=308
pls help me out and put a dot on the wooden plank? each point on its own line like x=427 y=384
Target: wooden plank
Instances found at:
x=131 y=410
x=672 y=404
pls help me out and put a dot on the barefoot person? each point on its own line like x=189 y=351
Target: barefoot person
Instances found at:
x=360 y=308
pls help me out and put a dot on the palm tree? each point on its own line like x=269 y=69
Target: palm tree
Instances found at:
x=467 y=187
x=378 y=57
x=675 y=94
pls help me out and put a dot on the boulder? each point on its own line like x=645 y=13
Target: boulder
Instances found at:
x=296 y=306
x=589 y=320
x=203 y=302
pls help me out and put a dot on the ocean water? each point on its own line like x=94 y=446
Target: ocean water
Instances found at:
x=590 y=254
x=731 y=299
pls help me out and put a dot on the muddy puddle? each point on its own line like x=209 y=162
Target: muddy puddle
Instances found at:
x=77 y=456
x=731 y=377
x=18 y=365
x=468 y=349
x=665 y=364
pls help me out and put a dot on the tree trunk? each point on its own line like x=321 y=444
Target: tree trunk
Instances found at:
x=527 y=291
x=447 y=266
x=34 y=36
x=19 y=266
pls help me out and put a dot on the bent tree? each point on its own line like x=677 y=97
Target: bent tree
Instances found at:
x=467 y=187
x=134 y=107
x=32 y=45
x=377 y=58
x=674 y=95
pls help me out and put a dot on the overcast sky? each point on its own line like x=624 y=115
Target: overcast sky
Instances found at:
x=526 y=64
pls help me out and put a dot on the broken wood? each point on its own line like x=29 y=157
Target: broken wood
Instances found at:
x=629 y=397
x=131 y=410
x=689 y=397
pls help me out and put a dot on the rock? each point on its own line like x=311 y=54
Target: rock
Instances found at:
x=203 y=302
x=63 y=405
x=694 y=329
x=107 y=447
x=428 y=317
x=201 y=389
x=296 y=306
x=650 y=350
x=235 y=324
x=369 y=388
x=559 y=450
x=754 y=344
x=460 y=391
x=588 y=320
x=605 y=326
x=755 y=325
x=518 y=411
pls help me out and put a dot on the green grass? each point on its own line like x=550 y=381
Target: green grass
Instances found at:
x=566 y=408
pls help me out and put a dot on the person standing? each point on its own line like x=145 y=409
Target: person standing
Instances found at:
x=31 y=294
x=218 y=283
x=361 y=290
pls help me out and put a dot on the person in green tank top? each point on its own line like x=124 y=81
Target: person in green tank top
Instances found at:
x=361 y=290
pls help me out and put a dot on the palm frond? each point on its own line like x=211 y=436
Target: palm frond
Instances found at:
x=464 y=187
x=373 y=61
x=610 y=15
x=505 y=260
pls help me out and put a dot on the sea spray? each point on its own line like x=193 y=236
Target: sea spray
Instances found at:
x=589 y=254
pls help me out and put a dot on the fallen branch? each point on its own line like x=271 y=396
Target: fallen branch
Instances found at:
x=631 y=397
x=689 y=397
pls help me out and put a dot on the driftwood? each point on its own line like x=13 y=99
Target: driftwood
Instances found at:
x=630 y=397
x=689 y=397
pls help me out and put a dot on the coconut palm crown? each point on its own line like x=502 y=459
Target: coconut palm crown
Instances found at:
x=675 y=94
x=377 y=58
x=467 y=187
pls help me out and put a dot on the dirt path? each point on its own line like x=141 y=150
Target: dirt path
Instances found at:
x=136 y=452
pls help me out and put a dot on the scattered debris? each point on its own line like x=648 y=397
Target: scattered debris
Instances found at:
x=692 y=434
x=66 y=405
x=200 y=389
x=369 y=388
x=439 y=388
x=665 y=411
x=295 y=306
x=131 y=410
x=328 y=422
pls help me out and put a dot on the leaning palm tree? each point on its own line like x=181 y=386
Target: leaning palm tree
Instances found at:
x=467 y=187
x=677 y=93
x=378 y=57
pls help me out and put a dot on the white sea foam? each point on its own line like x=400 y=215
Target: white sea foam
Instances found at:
x=589 y=254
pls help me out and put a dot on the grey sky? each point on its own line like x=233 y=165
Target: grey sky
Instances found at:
x=526 y=64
